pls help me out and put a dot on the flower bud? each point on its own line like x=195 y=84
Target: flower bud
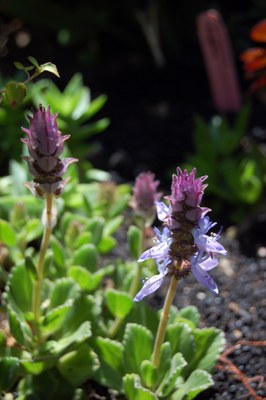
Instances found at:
x=45 y=145
x=145 y=196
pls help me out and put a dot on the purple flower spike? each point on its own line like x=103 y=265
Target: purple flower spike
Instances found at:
x=184 y=245
x=45 y=144
x=144 y=196
x=187 y=192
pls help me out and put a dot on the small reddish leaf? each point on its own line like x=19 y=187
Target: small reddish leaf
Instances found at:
x=15 y=93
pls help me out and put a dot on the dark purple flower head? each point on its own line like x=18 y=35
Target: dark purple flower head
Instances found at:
x=45 y=145
x=186 y=196
x=184 y=245
x=145 y=195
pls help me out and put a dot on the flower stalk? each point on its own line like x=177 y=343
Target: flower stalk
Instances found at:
x=160 y=335
x=36 y=301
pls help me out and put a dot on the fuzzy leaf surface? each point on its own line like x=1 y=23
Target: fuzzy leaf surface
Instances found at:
x=138 y=342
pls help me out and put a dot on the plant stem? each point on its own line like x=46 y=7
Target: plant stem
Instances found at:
x=136 y=280
x=133 y=287
x=44 y=245
x=163 y=321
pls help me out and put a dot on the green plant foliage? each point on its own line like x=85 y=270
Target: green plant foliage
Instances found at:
x=234 y=164
x=119 y=303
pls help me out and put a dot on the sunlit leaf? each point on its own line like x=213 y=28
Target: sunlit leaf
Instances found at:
x=49 y=67
x=7 y=233
x=138 y=343
x=118 y=303
x=197 y=382
x=134 y=389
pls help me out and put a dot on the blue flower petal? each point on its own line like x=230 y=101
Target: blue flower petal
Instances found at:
x=204 y=278
x=157 y=252
x=150 y=286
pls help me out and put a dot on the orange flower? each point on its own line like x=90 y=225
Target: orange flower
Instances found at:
x=254 y=59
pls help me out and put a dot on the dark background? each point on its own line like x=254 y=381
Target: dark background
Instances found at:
x=151 y=107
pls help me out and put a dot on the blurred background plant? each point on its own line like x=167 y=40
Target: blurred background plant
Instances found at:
x=234 y=163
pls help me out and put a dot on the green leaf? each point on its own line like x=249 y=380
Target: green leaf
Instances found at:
x=143 y=314
x=191 y=313
x=73 y=340
x=112 y=225
x=171 y=380
x=110 y=351
x=34 y=367
x=110 y=354
x=30 y=266
x=15 y=93
x=118 y=303
x=134 y=390
x=91 y=281
x=62 y=290
x=209 y=344
x=86 y=256
x=19 y=329
x=181 y=339
x=18 y=65
x=106 y=244
x=83 y=238
x=119 y=206
x=96 y=105
x=99 y=275
x=49 y=67
x=33 y=61
x=58 y=252
x=9 y=368
x=95 y=226
x=85 y=308
x=32 y=230
x=165 y=359
x=134 y=240
x=97 y=175
x=138 y=343
x=20 y=293
x=79 y=365
x=48 y=385
x=197 y=382
x=81 y=276
x=148 y=373
x=7 y=233
x=55 y=318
